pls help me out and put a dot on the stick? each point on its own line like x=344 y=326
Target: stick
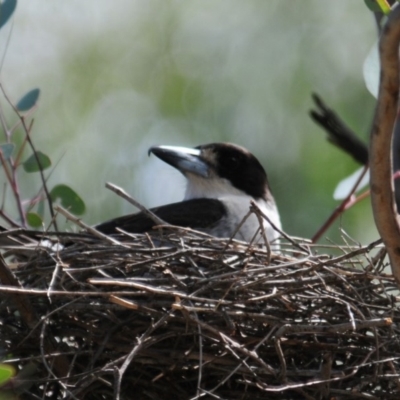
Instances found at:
x=121 y=192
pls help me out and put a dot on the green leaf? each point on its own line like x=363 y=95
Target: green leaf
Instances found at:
x=69 y=199
x=378 y=6
x=7 y=8
x=31 y=164
x=34 y=220
x=28 y=101
x=6 y=373
x=7 y=149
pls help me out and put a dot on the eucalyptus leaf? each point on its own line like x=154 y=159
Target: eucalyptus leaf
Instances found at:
x=31 y=164
x=28 y=101
x=69 y=199
x=7 y=150
x=7 y=8
x=345 y=186
x=371 y=71
x=34 y=220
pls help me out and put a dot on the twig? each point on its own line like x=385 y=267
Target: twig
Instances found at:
x=262 y=227
x=229 y=241
x=42 y=177
x=141 y=343
x=153 y=289
x=338 y=132
x=287 y=237
x=339 y=209
x=11 y=177
x=13 y=181
x=289 y=329
x=121 y=192
x=79 y=222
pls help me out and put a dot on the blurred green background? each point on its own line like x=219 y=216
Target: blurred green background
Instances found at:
x=118 y=77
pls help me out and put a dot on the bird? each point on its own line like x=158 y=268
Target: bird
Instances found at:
x=222 y=180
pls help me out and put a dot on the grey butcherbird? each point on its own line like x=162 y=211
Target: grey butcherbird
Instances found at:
x=222 y=179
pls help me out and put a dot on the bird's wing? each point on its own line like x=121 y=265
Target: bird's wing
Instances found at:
x=195 y=213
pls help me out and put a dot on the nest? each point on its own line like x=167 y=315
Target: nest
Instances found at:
x=187 y=316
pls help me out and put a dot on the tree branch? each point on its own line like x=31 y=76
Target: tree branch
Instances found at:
x=381 y=182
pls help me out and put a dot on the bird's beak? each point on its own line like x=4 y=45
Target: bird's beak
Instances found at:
x=184 y=159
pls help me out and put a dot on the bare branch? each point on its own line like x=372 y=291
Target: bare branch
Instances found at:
x=120 y=192
x=382 y=187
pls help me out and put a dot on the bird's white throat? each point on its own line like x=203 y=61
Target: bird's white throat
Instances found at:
x=237 y=204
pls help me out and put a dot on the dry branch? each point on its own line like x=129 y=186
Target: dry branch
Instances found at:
x=381 y=181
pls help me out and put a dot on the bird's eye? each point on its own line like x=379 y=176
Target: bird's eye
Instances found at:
x=233 y=162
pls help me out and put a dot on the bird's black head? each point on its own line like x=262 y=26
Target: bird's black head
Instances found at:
x=216 y=169
x=237 y=165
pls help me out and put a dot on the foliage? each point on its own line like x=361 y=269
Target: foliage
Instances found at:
x=12 y=157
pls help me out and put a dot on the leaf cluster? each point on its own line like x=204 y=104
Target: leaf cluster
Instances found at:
x=18 y=158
